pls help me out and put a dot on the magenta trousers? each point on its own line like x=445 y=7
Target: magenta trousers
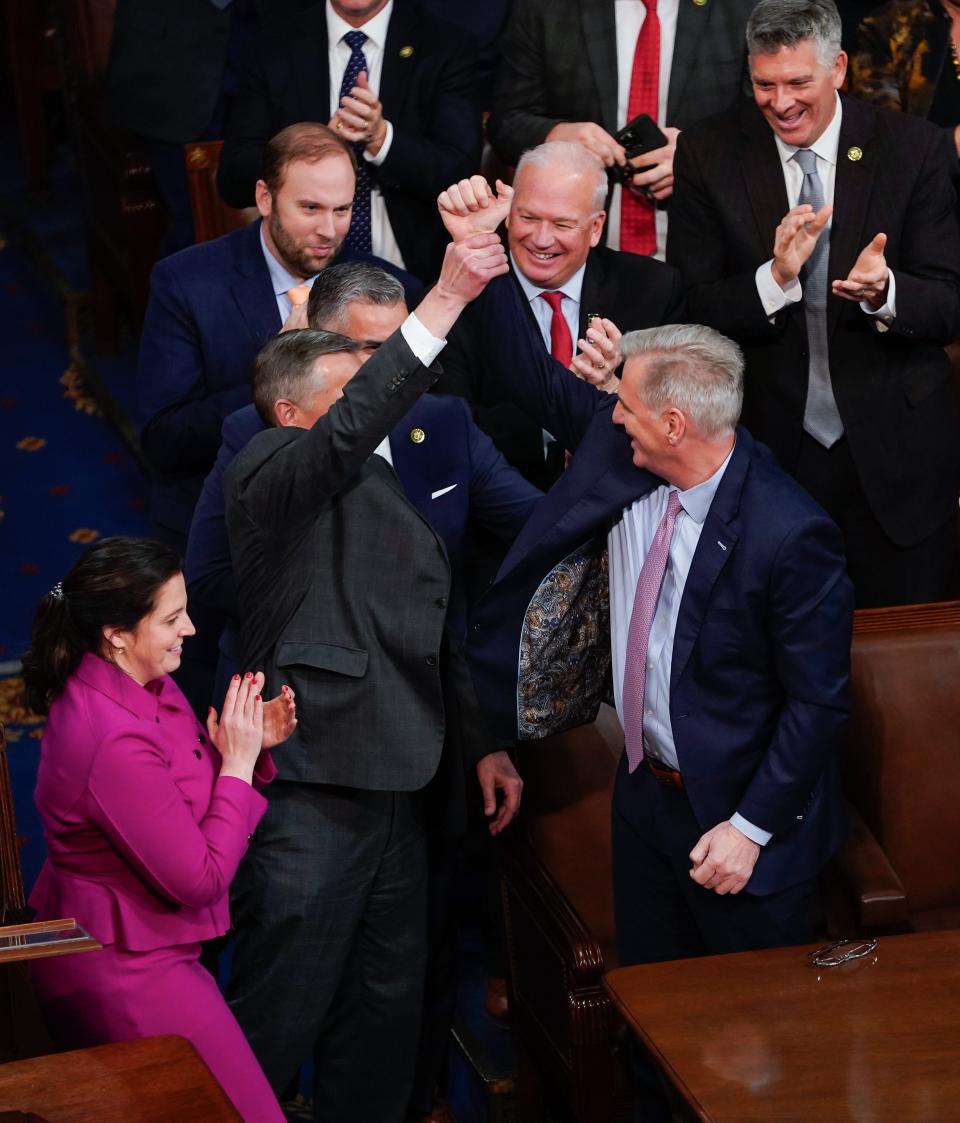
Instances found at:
x=114 y=995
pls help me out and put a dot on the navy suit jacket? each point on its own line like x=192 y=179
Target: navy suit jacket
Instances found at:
x=211 y=309
x=759 y=679
x=454 y=474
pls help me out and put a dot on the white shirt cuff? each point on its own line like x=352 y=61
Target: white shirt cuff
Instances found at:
x=755 y=834
x=887 y=312
x=421 y=342
x=772 y=296
x=384 y=148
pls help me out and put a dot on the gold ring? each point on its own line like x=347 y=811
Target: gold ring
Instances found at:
x=339 y=125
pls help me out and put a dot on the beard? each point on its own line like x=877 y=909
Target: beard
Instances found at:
x=298 y=259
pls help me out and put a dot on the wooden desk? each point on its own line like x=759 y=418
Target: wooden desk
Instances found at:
x=155 y=1080
x=765 y=1036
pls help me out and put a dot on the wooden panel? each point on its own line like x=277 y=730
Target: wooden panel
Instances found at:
x=155 y=1080
x=764 y=1036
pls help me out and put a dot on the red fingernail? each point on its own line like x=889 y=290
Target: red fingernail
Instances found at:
x=236 y=678
x=248 y=675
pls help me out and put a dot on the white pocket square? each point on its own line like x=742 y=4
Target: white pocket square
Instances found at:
x=442 y=491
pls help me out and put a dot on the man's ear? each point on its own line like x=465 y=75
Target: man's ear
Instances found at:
x=287 y=413
x=597 y=222
x=264 y=199
x=676 y=425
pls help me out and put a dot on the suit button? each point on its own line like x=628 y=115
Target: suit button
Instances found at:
x=441 y=602
x=201 y=738
x=198 y=754
x=431 y=660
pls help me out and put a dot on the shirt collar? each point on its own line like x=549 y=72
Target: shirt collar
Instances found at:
x=108 y=679
x=280 y=278
x=374 y=29
x=572 y=289
x=826 y=144
x=696 y=500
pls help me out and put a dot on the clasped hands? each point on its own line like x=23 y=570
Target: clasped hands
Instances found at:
x=469 y=208
x=359 y=117
x=797 y=234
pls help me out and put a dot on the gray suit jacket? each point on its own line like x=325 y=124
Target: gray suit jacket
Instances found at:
x=560 y=64
x=343 y=588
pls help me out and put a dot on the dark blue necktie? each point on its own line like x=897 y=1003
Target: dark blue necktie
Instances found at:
x=359 y=236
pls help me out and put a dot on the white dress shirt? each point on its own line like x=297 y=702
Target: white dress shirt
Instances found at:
x=825 y=148
x=384 y=242
x=630 y=15
x=628 y=543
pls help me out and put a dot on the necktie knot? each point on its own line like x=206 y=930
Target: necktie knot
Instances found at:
x=806 y=158
x=651 y=6
x=355 y=40
x=673 y=504
x=554 y=299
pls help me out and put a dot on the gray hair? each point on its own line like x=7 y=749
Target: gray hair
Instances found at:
x=284 y=367
x=694 y=369
x=571 y=157
x=786 y=23
x=339 y=286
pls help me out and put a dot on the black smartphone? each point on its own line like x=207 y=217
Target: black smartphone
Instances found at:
x=640 y=135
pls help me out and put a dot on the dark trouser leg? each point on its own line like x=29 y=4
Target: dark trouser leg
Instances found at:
x=882 y=572
x=440 y=989
x=366 y=1051
x=329 y=913
x=661 y=913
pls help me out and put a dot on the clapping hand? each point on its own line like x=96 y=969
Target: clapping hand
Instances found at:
x=869 y=278
x=470 y=207
x=238 y=734
x=599 y=357
x=359 y=117
x=794 y=240
x=279 y=717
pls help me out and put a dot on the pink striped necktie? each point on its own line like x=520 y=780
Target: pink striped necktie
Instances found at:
x=641 y=619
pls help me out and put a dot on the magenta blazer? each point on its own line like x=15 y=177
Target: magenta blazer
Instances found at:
x=143 y=837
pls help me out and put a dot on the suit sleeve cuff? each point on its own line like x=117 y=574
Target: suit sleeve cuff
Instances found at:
x=772 y=296
x=755 y=834
x=384 y=148
x=887 y=312
x=421 y=342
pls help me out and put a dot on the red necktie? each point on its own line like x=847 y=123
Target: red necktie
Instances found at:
x=561 y=344
x=638 y=229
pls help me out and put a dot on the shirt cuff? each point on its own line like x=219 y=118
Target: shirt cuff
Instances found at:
x=422 y=343
x=384 y=148
x=755 y=834
x=887 y=312
x=772 y=296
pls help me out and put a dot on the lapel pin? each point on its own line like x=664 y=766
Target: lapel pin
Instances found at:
x=418 y=436
x=721 y=545
x=700 y=3
x=406 y=52
x=854 y=153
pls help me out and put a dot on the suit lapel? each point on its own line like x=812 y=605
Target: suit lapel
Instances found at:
x=851 y=193
x=599 y=26
x=411 y=459
x=762 y=175
x=718 y=540
x=692 y=20
x=251 y=287
x=310 y=66
x=400 y=58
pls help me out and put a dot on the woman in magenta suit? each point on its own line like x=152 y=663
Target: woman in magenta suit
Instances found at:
x=146 y=813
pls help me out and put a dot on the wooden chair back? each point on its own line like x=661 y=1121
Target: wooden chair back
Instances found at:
x=211 y=215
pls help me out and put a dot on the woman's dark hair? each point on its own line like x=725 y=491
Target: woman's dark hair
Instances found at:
x=113 y=585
